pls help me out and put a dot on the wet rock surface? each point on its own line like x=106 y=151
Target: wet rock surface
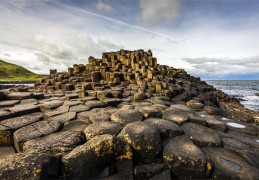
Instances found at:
x=125 y=117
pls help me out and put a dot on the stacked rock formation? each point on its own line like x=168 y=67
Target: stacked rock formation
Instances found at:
x=125 y=117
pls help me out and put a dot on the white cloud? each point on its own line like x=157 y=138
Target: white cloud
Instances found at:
x=223 y=66
x=156 y=11
x=59 y=36
x=103 y=6
x=47 y=44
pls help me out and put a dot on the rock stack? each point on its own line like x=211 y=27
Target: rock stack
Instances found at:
x=125 y=117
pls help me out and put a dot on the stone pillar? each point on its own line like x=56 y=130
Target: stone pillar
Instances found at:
x=52 y=71
x=95 y=76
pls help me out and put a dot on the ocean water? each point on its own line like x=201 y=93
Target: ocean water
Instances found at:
x=243 y=90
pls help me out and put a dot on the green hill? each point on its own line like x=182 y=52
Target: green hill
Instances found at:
x=12 y=72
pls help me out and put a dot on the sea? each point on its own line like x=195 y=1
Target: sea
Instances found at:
x=244 y=90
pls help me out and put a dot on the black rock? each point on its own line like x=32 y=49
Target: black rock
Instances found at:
x=126 y=116
x=102 y=127
x=183 y=158
x=228 y=165
x=145 y=171
x=201 y=135
x=57 y=142
x=144 y=139
x=89 y=159
x=166 y=128
x=30 y=166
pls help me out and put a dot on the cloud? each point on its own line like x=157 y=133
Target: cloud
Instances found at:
x=155 y=11
x=214 y=67
x=42 y=57
x=103 y=6
x=42 y=35
x=46 y=44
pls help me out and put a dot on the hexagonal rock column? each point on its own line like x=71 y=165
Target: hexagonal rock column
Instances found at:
x=90 y=159
x=184 y=158
x=33 y=131
x=166 y=128
x=8 y=126
x=30 y=166
x=126 y=116
x=57 y=142
x=102 y=127
x=228 y=165
x=201 y=135
x=144 y=139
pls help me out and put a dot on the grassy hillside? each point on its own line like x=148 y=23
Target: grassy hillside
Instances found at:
x=12 y=72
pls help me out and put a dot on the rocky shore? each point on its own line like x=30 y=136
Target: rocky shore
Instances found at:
x=124 y=116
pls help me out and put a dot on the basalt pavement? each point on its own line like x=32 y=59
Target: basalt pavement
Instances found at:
x=125 y=117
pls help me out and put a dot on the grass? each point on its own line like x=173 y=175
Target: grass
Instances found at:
x=11 y=72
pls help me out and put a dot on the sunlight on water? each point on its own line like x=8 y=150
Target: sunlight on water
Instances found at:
x=230 y=164
x=236 y=125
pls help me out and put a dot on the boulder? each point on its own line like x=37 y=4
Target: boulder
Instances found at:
x=144 y=139
x=201 y=135
x=57 y=142
x=175 y=116
x=8 y=126
x=252 y=141
x=30 y=166
x=195 y=104
x=72 y=103
x=20 y=110
x=33 y=131
x=89 y=159
x=95 y=104
x=75 y=125
x=51 y=105
x=243 y=128
x=63 y=118
x=79 y=108
x=29 y=101
x=146 y=171
x=214 y=123
x=194 y=118
x=8 y=103
x=102 y=127
x=182 y=107
x=228 y=165
x=19 y=95
x=139 y=96
x=166 y=128
x=233 y=144
x=183 y=158
x=149 y=111
x=100 y=116
x=126 y=116
x=55 y=112
x=213 y=110
x=84 y=116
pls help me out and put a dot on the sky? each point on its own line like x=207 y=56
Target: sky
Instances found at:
x=211 y=39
